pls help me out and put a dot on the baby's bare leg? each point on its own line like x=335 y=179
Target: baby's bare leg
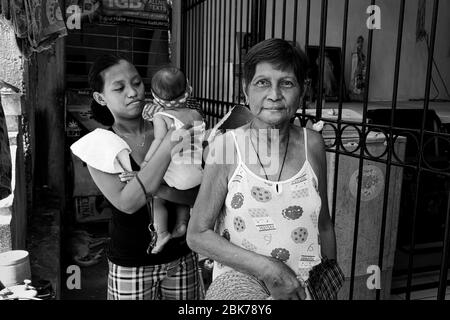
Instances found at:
x=160 y=221
x=183 y=214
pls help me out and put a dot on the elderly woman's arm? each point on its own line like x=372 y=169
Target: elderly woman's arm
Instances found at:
x=129 y=197
x=280 y=279
x=316 y=147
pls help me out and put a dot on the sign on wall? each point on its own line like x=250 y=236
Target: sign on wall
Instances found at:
x=152 y=13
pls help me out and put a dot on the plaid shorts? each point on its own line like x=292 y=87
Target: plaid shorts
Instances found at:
x=177 y=280
x=325 y=280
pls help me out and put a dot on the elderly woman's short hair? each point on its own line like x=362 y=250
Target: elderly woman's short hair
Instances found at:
x=281 y=53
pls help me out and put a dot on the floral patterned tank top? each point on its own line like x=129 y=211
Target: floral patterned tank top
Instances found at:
x=278 y=219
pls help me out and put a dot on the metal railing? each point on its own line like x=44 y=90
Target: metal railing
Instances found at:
x=216 y=34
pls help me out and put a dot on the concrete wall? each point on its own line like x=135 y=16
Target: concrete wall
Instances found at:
x=413 y=58
x=414 y=54
x=11 y=64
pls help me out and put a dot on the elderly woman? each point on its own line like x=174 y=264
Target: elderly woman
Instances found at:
x=265 y=220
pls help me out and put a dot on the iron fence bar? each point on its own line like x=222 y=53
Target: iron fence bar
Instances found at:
x=445 y=254
x=308 y=18
x=339 y=118
x=254 y=27
x=185 y=33
x=389 y=139
x=361 y=162
x=235 y=47
x=323 y=36
x=273 y=18
x=229 y=46
x=248 y=43
x=202 y=60
x=294 y=31
x=283 y=24
x=196 y=51
x=212 y=49
x=192 y=44
x=188 y=42
x=216 y=55
x=210 y=56
x=221 y=66
x=308 y=13
x=262 y=20
x=199 y=51
x=183 y=37
x=222 y=47
x=186 y=39
x=240 y=50
x=132 y=44
x=419 y=165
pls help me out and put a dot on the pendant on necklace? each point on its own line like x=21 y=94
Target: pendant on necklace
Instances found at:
x=141 y=145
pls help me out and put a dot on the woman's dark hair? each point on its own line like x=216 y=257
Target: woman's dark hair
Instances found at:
x=281 y=53
x=97 y=82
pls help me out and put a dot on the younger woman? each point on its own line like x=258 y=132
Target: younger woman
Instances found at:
x=173 y=273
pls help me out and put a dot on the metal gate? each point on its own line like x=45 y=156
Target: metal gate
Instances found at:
x=215 y=36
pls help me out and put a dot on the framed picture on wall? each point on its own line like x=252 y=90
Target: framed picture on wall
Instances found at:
x=331 y=73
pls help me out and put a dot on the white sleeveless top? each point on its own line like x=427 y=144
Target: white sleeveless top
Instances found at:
x=277 y=219
x=185 y=171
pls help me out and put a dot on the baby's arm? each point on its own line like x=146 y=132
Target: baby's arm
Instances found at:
x=160 y=131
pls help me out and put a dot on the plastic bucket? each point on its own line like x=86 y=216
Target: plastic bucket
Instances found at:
x=14 y=267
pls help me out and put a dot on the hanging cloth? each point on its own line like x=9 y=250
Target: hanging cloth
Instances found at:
x=39 y=22
x=5 y=157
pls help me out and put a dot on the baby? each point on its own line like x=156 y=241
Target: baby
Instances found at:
x=171 y=91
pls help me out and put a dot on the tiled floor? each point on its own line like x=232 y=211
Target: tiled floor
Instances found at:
x=429 y=294
x=419 y=279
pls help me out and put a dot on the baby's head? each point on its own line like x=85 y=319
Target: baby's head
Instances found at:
x=169 y=84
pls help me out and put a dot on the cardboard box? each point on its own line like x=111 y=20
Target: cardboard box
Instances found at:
x=91 y=209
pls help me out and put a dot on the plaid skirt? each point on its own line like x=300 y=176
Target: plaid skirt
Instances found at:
x=177 y=280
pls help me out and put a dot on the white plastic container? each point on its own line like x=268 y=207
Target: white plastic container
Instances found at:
x=14 y=267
